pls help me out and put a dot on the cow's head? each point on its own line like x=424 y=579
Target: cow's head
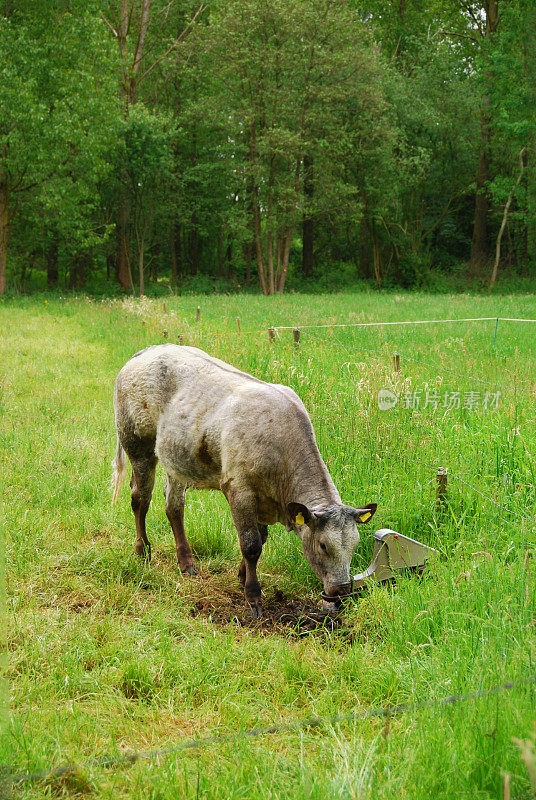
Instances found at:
x=329 y=540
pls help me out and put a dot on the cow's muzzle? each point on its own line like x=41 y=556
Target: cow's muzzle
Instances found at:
x=337 y=595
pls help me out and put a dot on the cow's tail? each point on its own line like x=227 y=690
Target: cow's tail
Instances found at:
x=119 y=465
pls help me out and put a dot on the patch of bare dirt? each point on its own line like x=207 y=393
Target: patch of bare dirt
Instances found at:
x=281 y=614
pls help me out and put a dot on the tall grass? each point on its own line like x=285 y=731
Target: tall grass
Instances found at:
x=104 y=654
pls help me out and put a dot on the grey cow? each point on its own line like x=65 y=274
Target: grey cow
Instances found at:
x=215 y=427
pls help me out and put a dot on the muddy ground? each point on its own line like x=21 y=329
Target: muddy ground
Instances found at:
x=281 y=614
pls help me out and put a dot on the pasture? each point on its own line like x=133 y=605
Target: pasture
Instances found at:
x=108 y=654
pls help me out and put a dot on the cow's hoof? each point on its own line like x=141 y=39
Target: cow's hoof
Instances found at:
x=191 y=570
x=255 y=609
x=143 y=551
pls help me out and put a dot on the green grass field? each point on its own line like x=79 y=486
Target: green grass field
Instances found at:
x=108 y=655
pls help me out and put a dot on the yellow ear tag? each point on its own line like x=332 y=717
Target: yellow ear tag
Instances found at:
x=299 y=519
x=365 y=516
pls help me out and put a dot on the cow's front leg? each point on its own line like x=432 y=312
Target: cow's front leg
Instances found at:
x=244 y=512
x=242 y=568
x=251 y=546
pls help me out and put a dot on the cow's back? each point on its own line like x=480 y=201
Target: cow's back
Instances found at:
x=211 y=424
x=171 y=392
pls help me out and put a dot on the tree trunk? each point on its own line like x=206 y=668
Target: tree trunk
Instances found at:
x=194 y=247
x=255 y=209
x=480 y=252
x=77 y=272
x=220 y=252
x=525 y=251
x=308 y=244
x=4 y=231
x=480 y=246
x=270 y=260
x=278 y=254
x=173 y=254
x=141 y=268
x=504 y=220
x=124 y=275
x=269 y=231
x=229 y=259
x=52 y=261
x=250 y=212
x=249 y=255
x=155 y=261
x=128 y=88
x=23 y=272
x=307 y=223
x=261 y=267
x=285 y=254
x=365 y=260
x=376 y=256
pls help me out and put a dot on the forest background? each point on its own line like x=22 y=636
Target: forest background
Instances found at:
x=266 y=144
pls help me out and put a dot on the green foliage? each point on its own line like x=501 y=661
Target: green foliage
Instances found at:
x=58 y=115
x=147 y=140
x=512 y=98
x=362 y=118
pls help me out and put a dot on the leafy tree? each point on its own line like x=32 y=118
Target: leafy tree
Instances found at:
x=147 y=162
x=146 y=34
x=395 y=137
x=512 y=112
x=52 y=103
x=291 y=81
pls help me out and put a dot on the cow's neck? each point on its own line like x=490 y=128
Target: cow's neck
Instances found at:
x=310 y=482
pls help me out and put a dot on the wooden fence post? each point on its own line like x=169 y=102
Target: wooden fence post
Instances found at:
x=198 y=314
x=296 y=335
x=165 y=307
x=441 y=489
x=271 y=335
x=238 y=325
x=396 y=362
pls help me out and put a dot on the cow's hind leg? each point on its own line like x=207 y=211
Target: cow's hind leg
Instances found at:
x=141 y=484
x=174 y=494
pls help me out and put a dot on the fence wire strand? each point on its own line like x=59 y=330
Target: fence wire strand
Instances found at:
x=350 y=347
x=468 y=377
x=127 y=759
x=531 y=520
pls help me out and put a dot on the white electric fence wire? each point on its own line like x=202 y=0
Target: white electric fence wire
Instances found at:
x=125 y=759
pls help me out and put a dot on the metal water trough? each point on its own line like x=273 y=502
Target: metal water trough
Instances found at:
x=393 y=552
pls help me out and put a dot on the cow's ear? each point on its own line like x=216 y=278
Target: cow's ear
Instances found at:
x=299 y=514
x=364 y=513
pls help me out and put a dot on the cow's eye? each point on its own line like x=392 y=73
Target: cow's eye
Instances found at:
x=323 y=546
